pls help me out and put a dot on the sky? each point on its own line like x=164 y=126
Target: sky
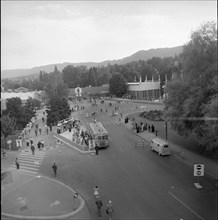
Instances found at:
x=36 y=33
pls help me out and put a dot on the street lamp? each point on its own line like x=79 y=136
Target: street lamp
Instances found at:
x=166 y=128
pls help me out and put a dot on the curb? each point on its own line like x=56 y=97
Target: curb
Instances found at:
x=82 y=203
x=84 y=152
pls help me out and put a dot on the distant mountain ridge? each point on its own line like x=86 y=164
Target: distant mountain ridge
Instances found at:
x=140 y=55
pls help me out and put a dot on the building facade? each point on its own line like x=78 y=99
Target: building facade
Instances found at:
x=148 y=90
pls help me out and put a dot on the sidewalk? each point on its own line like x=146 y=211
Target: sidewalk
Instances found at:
x=26 y=196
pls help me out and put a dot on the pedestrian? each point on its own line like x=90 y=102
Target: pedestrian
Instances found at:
x=42 y=143
x=96 y=192
x=39 y=145
x=27 y=142
x=17 y=163
x=36 y=131
x=110 y=210
x=4 y=154
x=40 y=130
x=43 y=120
x=54 y=167
x=156 y=132
x=33 y=149
x=31 y=141
x=96 y=150
x=152 y=128
x=99 y=204
x=46 y=129
x=50 y=126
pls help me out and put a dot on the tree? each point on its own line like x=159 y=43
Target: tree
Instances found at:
x=7 y=125
x=118 y=85
x=22 y=113
x=195 y=95
x=58 y=109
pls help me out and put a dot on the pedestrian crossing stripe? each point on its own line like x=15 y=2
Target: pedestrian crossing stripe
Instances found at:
x=32 y=163
x=22 y=170
x=30 y=158
x=25 y=167
x=29 y=163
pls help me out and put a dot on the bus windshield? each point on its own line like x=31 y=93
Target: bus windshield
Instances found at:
x=100 y=134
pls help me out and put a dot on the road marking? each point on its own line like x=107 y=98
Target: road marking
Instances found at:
x=139 y=167
x=195 y=213
x=54 y=203
x=121 y=149
x=25 y=167
x=19 y=186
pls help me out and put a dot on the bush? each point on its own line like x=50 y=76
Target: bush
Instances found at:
x=153 y=115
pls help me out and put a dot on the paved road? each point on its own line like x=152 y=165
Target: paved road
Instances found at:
x=141 y=184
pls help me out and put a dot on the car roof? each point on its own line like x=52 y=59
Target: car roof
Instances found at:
x=159 y=141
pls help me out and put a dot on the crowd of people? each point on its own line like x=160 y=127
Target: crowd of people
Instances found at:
x=143 y=126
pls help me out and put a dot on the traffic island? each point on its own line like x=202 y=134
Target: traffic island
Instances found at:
x=41 y=198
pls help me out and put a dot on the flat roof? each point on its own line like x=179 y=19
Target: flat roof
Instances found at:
x=160 y=141
x=97 y=128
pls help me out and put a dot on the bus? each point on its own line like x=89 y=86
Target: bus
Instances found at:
x=99 y=134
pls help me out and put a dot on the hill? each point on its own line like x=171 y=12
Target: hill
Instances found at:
x=140 y=55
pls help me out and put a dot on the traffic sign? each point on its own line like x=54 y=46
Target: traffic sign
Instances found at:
x=78 y=91
x=198 y=169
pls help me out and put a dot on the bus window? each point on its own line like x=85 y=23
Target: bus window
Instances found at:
x=105 y=137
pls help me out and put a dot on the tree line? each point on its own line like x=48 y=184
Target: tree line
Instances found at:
x=191 y=104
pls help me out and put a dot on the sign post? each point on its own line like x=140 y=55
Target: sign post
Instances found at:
x=198 y=171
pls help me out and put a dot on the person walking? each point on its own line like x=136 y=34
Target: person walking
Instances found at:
x=39 y=145
x=36 y=131
x=27 y=142
x=4 y=153
x=46 y=129
x=17 y=163
x=96 y=192
x=54 y=167
x=99 y=204
x=110 y=210
x=33 y=149
x=96 y=150
x=31 y=141
x=40 y=130
x=152 y=128
x=42 y=144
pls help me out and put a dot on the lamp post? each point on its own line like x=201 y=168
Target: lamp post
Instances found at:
x=166 y=129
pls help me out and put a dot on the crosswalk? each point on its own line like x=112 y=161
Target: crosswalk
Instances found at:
x=29 y=163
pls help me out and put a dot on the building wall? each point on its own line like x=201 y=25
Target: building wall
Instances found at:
x=144 y=90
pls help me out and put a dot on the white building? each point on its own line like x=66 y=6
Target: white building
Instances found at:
x=147 y=90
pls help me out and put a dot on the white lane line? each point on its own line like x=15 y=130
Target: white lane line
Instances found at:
x=139 y=167
x=195 y=213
